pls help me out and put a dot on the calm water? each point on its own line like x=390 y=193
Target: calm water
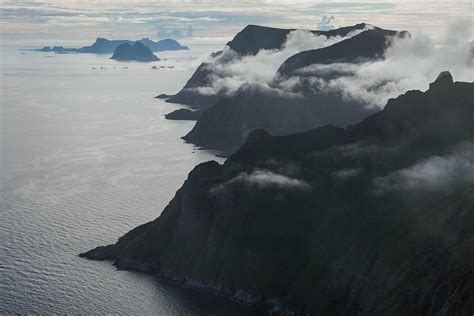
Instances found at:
x=86 y=155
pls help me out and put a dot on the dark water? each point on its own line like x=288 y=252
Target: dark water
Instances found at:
x=86 y=155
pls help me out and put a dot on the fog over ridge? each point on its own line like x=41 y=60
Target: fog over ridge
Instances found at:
x=410 y=62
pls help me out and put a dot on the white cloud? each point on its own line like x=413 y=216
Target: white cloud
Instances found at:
x=437 y=173
x=230 y=71
x=265 y=179
x=410 y=63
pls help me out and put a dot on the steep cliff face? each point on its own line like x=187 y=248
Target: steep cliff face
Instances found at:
x=373 y=219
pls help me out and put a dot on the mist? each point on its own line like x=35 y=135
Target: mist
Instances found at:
x=409 y=63
x=230 y=70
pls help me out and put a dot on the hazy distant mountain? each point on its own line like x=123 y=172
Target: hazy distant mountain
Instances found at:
x=373 y=219
x=135 y=52
x=105 y=46
x=247 y=42
x=226 y=124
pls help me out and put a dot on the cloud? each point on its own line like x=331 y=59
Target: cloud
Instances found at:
x=264 y=179
x=36 y=21
x=230 y=70
x=325 y=23
x=409 y=63
x=436 y=173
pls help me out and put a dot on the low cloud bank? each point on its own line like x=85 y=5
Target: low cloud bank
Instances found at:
x=265 y=179
x=409 y=64
x=437 y=173
x=230 y=70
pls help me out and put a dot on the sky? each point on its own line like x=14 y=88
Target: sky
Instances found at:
x=79 y=22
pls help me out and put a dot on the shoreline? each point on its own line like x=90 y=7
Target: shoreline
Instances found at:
x=269 y=306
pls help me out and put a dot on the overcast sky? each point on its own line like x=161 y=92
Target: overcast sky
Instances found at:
x=79 y=22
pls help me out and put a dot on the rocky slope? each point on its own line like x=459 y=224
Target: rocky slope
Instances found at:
x=373 y=219
x=135 y=52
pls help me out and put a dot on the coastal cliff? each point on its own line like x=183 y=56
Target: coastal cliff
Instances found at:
x=372 y=219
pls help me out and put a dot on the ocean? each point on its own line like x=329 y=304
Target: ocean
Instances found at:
x=86 y=155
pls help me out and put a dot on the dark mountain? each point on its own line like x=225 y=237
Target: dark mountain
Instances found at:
x=105 y=46
x=226 y=125
x=373 y=219
x=247 y=42
x=135 y=52
x=282 y=111
x=368 y=45
x=255 y=37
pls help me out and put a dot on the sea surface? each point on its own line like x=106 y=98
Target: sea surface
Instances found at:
x=86 y=155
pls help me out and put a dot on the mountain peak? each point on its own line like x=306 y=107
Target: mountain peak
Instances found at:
x=444 y=79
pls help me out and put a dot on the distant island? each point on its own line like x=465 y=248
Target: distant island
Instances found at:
x=105 y=46
x=135 y=52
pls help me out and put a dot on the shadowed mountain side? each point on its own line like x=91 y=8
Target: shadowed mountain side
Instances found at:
x=331 y=221
x=226 y=125
x=247 y=42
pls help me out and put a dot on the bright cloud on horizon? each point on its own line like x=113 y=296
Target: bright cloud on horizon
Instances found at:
x=67 y=22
